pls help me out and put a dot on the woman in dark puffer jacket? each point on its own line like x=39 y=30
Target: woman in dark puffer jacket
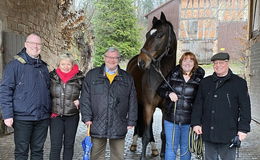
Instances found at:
x=66 y=83
x=184 y=79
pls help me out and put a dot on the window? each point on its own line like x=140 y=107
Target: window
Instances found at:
x=193 y=27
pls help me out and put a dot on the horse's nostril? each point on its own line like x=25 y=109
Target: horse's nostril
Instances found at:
x=141 y=64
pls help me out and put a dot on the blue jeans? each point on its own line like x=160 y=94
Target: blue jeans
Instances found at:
x=181 y=138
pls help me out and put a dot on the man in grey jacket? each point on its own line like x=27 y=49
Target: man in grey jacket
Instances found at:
x=108 y=103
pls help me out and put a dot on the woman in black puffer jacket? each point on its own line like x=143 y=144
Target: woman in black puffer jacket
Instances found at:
x=184 y=79
x=66 y=82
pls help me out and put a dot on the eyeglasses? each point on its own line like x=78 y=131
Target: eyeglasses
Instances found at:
x=34 y=43
x=220 y=62
x=114 y=58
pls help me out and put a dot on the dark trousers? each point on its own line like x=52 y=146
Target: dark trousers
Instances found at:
x=63 y=131
x=30 y=134
x=213 y=150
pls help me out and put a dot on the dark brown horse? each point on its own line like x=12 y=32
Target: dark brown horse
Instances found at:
x=158 y=54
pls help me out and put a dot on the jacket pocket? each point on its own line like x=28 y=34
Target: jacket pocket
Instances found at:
x=98 y=87
x=228 y=99
x=122 y=89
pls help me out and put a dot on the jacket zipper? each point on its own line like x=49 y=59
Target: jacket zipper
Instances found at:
x=228 y=100
x=63 y=94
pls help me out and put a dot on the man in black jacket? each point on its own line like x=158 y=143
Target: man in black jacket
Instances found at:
x=25 y=99
x=221 y=110
x=108 y=103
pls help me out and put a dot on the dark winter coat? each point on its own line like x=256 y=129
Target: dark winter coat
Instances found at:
x=64 y=94
x=24 y=90
x=186 y=92
x=110 y=107
x=222 y=108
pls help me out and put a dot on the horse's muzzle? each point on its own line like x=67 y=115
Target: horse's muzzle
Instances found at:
x=141 y=64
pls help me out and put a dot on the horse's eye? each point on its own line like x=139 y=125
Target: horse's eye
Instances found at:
x=159 y=35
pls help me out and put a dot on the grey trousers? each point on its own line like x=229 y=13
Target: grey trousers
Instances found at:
x=213 y=150
x=99 y=148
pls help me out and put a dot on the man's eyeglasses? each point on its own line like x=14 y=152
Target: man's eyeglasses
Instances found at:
x=34 y=43
x=114 y=58
x=220 y=62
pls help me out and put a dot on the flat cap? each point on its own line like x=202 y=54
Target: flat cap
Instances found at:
x=220 y=56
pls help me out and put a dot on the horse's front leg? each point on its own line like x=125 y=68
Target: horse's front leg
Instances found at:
x=148 y=114
x=145 y=141
x=163 y=145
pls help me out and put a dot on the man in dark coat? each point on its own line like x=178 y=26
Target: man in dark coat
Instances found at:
x=221 y=110
x=25 y=99
x=108 y=103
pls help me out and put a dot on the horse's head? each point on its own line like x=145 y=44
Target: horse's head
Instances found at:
x=160 y=39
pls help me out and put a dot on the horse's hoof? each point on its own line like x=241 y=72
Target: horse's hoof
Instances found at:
x=155 y=152
x=162 y=155
x=142 y=158
x=133 y=148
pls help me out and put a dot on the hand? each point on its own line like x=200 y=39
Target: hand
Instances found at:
x=88 y=123
x=173 y=97
x=130 y=127
x=9 y=122
x=76 y=102
x=197 y=129
x=241 y=135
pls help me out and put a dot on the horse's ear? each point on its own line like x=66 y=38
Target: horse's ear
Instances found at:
x=154 y=20
x=163 y=18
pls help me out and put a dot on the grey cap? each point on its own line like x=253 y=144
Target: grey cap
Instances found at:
x=220 y=56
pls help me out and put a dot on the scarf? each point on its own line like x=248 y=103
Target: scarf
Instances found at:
x=65 y=77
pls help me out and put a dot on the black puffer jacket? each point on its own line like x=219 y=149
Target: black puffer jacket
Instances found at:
x=186 y=92
x=110 y=107
x=63 y=95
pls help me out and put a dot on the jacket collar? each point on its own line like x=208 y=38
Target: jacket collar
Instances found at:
x=199 y=72
x=220 y=81
x=102 y=72
x=24 y=55
x=216 y=78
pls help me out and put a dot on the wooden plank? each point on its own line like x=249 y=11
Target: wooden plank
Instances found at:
x=12 y=44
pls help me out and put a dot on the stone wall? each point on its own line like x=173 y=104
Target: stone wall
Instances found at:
x=27 y=16
x=39 y=16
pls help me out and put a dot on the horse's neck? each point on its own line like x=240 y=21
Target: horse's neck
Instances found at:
x=168 y=63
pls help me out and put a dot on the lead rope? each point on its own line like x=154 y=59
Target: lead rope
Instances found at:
x=173 y=136
x=196 y=144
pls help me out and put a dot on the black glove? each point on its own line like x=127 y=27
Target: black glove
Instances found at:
x=235 y=142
